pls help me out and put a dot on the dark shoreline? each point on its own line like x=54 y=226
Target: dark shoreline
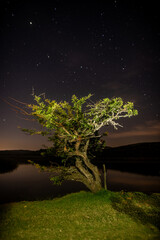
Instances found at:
x=142 y=158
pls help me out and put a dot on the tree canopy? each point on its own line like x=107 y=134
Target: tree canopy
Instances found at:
x=74 y=130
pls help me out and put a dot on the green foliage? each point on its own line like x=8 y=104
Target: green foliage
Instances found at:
x=57 y=180
x=68 y=122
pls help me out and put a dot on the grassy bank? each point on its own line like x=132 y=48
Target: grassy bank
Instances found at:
x=83 y=215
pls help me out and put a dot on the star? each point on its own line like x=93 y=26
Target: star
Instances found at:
x=38 y=64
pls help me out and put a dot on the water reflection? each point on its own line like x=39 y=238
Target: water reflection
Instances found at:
x=27 y=183
x=118 y=180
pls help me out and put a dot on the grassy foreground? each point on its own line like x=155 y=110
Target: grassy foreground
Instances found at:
x=105 y=215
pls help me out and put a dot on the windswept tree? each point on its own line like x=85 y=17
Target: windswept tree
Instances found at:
x=74 y=130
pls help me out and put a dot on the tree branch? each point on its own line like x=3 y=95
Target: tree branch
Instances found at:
x=21 y=110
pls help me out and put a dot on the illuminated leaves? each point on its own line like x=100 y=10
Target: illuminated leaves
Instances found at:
x=70 y=121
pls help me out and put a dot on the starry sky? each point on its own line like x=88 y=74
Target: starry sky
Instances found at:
x=60 y=48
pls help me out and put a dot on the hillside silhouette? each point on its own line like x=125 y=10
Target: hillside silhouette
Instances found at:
x=143 y=158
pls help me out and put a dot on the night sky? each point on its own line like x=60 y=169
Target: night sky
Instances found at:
x=60 y=48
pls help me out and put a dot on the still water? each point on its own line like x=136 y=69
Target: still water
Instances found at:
x=27 y=183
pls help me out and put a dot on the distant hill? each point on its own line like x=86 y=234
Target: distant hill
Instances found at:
x=144 y=149
x=10 y=159
x=142 y=158
x=139 y=151
x=139 y=158
x=18 y=154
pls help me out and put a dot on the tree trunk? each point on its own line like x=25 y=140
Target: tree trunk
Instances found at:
x=91 y=173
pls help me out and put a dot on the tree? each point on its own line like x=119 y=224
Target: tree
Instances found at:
x=74 y=130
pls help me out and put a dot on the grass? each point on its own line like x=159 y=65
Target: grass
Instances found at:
x=105 y=215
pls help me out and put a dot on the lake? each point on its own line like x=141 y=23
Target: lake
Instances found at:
x=27 y=183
